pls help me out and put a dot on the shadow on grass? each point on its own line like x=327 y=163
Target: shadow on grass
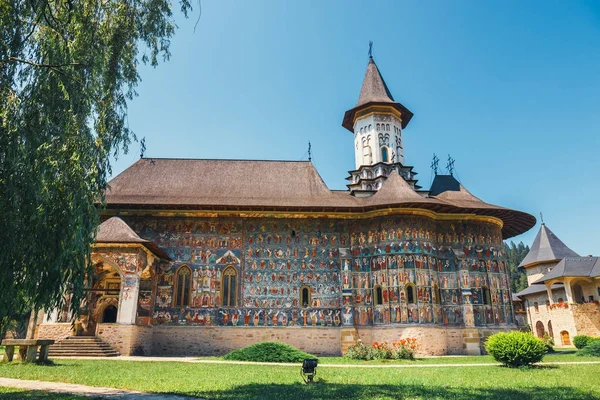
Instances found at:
x=323 y=390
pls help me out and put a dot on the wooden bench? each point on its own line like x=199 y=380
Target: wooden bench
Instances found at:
x=28 y=349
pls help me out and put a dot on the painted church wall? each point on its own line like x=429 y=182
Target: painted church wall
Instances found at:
x=341 y=262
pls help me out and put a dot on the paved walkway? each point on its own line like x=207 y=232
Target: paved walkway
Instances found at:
x=89 y=391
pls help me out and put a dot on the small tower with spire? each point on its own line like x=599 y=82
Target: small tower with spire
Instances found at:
x=377 y=122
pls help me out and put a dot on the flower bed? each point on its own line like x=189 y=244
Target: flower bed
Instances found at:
x=399 y=349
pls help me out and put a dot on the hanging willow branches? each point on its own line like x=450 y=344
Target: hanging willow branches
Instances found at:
x=67 y=70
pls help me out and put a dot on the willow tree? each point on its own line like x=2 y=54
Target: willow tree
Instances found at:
x=67 y=70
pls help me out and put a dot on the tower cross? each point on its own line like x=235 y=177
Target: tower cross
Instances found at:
x=450 y=165
x=434 y=164
x=370 y=49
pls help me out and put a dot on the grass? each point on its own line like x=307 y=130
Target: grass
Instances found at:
x=14 y=394
x=561 y=355
x=229 y=381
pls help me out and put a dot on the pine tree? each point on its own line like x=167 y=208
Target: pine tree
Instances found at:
x=514 y=255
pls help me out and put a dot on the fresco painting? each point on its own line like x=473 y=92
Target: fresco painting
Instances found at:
x=342 y=263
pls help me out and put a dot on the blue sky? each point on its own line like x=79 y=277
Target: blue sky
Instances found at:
x=510 y=89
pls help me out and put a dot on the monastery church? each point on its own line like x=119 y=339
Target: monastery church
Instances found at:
x=199 y=257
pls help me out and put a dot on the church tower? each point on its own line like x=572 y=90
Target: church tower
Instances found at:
x=377 y=122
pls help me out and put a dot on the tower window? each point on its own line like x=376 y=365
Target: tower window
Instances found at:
x=305 y=297
x=384 y=154
x=183 y=279
x=229 y=287
x=536 y=306
x=387 y=127
x=378 y=127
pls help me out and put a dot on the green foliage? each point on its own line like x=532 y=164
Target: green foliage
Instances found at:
x=592 y=349
x=514 y=255
x=515 y=349
x=580 y=341
x=67 y=70
x=269 y=352
x=549 y=342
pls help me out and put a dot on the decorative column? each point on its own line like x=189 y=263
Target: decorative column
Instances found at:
x=349 y=334
x=128 y=299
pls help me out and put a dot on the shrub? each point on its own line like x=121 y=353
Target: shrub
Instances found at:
x=515 y=349
x=591 y=350
x=400 y=349
x=549 y=342
x=580 y=341
x=269 y=352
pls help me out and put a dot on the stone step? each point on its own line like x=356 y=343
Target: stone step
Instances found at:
x=78 y=346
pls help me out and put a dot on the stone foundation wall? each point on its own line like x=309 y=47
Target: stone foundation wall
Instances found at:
x=127 y=339
x=587 y=318
x=55 y=331
x=209 y=341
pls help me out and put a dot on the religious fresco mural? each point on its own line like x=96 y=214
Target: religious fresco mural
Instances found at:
x=328 y=273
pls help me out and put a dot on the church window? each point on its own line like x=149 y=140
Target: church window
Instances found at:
x=410 y=293
x=361 y=130
x=547 y=303
x=305 y=297
x=560 y=300
x=377 y=296
x=384 y=154
x=183 y=286
x=487 y=298
x=437 y=293
x=536 y=306
x=378 y=127
x=370 y=127
x=550 y=330
x=387 y=127
x=229 y=287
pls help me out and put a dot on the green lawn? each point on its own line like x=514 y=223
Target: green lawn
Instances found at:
x=227 y=381
x=14 y=394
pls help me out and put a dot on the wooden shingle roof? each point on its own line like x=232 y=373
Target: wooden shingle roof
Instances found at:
x=289 y=186
x=546 y=247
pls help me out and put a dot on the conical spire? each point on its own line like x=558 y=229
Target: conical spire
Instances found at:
x=374 y=88
x=374 y=92
x=546 y=247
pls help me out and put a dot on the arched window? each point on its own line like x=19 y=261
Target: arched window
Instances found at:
x=378 y=127
x=377 y=296
x=229 y=287
x=384 y=154
x=550 y=330
x=560 y=300
x=437 y=294
x=387 y=127
x=361 y=130
x=183 y=286
x=370 y=127
x=487 y=298
x=410 y=293
x=536 y=306
x=305 y=296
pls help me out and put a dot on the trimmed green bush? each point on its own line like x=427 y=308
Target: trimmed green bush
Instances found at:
x=515 y=349
x=580 y=341
x=269 y=352
x=591 y=350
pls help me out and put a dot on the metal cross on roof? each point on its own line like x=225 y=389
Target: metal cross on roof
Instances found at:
x=542 y=217
x=370 y=49
x=309 y=152
x=450 y=165
x=434 y=164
